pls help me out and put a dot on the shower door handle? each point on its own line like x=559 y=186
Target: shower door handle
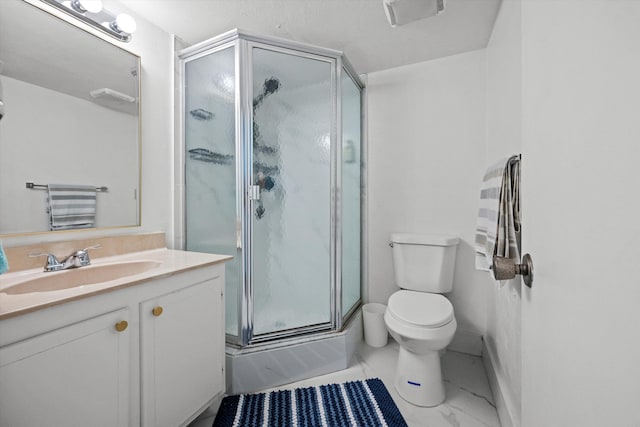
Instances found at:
x=254 y=192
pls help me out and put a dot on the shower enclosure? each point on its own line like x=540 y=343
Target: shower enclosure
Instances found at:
x=272 y=170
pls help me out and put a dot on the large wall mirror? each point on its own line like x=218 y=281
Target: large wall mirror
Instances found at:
x=71 y=115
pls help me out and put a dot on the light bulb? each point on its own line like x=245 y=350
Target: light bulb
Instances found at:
x=82 y=6
x=124 y=24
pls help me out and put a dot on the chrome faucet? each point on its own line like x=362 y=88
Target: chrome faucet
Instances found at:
x=76 y=259
x=52 y=263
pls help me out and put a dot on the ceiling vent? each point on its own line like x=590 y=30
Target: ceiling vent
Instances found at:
x=400 y=12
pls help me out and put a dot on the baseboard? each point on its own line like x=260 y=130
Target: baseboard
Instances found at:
x=466 y=342
x=212 y=406
x=507 y=412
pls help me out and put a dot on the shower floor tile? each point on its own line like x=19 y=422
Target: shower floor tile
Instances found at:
x=469 y=401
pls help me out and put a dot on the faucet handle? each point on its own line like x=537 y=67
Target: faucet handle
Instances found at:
x=83 y=255
x=52 y=263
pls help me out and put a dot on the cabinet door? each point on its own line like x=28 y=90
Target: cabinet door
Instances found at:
x=182 y=346
x=77 y=375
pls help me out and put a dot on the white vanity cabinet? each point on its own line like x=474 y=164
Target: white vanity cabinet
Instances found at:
x=148 y=354
x=46 y=380
x=181 y=359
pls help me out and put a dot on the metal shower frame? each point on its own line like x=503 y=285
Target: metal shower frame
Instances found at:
x=243 y=42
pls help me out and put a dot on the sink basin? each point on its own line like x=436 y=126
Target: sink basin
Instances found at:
x=67 y=279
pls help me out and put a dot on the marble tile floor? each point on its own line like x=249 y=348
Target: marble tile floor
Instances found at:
x=469 y=400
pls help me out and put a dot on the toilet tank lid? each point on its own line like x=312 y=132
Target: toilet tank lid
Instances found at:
x=424 y=239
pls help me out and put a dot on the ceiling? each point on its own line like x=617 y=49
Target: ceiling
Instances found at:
x=359 y=28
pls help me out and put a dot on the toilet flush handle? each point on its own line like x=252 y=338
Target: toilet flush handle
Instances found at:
x=506 y=268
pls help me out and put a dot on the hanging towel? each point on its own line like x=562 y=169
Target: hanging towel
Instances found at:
x=71 y=206
x=498 y=229
x=4 y=263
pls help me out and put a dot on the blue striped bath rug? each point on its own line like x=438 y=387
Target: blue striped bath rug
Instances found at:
x=364 y=403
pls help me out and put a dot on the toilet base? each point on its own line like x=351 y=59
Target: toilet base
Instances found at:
x=419 y=378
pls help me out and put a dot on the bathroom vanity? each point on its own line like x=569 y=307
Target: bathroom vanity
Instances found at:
x=143 y=349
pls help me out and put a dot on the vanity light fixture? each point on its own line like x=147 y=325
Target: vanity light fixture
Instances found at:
x=123 y=24
x=119 y=26
x=82 y=6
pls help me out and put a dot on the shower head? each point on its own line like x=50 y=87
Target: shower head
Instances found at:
x=400 y=12
x=271 y=85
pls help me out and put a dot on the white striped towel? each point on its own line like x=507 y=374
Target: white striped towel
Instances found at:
x=498 y=229
x=71 y=206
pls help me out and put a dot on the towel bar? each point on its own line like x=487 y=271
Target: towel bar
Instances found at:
x=31 y=185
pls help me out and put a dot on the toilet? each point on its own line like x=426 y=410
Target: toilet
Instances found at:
x=418 y=316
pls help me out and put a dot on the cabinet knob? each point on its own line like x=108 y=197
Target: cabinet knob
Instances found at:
x=157 y=311
x=122 y=325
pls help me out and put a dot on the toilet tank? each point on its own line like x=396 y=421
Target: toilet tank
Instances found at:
x=424 y=262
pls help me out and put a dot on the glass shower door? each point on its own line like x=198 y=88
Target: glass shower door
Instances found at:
x=351 y=193
x=211 y=208
x=291 y=177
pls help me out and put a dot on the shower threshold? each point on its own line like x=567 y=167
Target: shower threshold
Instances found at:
x=277 y=363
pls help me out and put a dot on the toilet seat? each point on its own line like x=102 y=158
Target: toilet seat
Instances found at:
x=420 y=308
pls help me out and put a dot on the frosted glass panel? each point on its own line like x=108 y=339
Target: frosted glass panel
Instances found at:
x=291 y=221
x=210 y=167
x=350 y=193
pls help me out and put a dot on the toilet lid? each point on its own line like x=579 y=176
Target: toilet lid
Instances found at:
x=420 y=308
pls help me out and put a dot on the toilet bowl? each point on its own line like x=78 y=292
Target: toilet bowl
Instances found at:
x=423 y=324
x=418 y=317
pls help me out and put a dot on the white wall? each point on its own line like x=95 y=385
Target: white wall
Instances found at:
x=504 y=138
x=581 y=205
x=155 y=47
x=426 y=130
x=90 y=139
